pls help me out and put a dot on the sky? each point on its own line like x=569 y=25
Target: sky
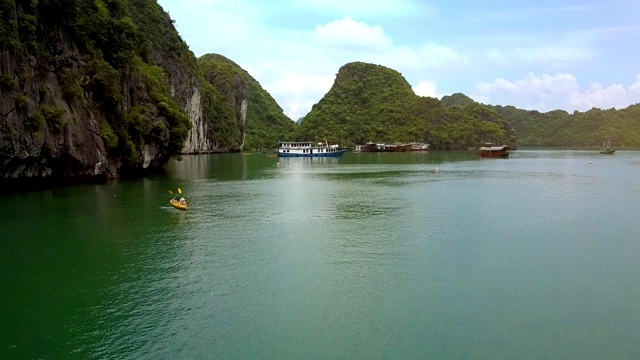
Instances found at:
x=536 y=55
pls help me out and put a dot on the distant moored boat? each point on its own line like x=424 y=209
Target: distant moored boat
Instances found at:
x=398 y=147
x=494 y=151
x=606 y=149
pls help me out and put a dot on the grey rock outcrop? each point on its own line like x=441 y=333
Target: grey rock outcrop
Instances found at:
x=42 y=133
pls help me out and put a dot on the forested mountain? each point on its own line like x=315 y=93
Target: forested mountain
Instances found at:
x=266 y=123
x=457 y=99
x=372 y=103
x=559 y=128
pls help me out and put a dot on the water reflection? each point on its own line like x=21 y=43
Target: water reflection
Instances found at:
x=431 y=157
x=298 y=161
x=238 y=166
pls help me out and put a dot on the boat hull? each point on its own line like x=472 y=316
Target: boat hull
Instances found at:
x=494 y=152
x=177 y=205
x=327 y=154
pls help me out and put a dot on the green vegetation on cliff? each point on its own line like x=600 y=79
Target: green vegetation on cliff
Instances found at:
x=457 y=99
x=559 y=128
x=265 y=121
x=97 y=50
x=372 y=103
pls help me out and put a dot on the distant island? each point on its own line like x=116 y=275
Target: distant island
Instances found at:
x=373 y=103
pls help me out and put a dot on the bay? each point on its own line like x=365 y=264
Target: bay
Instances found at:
x=367 y=256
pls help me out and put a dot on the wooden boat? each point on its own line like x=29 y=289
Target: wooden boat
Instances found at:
x=419 y=147
x=373 y=147
x=606 y=149
x=176 y=204
x=307 y=149
x=493 y=151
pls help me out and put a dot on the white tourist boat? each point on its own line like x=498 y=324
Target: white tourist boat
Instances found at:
x=308 y=149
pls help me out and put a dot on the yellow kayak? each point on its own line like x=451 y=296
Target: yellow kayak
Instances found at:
x=176 y=204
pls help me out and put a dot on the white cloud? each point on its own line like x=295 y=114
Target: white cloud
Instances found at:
x=361 y=8
x=541 y=86
x=635 y=87
x=299 y=91
x=348 y=32
x=299 y=84
x=425 y=88
x=597 y=96
x=559 y=91
x=437 y=56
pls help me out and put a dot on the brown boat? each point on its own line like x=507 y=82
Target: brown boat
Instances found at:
x=373 y=147
x=493 y=151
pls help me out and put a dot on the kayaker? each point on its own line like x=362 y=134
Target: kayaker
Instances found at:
x=183 y=201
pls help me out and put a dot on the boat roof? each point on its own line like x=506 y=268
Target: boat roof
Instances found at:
x=502 y=147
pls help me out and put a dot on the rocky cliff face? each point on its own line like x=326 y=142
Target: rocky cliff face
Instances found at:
x=227 y=104
x=42 y=133
x=198 y=138
x=76 y=106
x=234 y=93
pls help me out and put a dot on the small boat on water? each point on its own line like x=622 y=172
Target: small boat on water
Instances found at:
x=398 y=147
x=606 y=149
x=178 y=204
x=307 y=149
x=493 y=151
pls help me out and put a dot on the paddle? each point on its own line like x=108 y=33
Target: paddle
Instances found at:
x=175 y=197
x=171 y=193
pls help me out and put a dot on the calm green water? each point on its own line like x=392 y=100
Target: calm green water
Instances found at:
x=369 y=256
